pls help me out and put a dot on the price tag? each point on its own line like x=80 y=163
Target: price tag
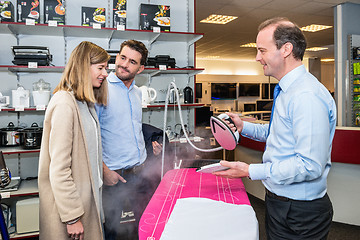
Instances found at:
x=183 y=140
x=40 y=107
x=156 y=29
x=30 y=22
x=96 y=26
x=52 y=23
x=162 y=67
x=5 y=195
x=111 y=66
x=19 y=108
x=32 y=65
x=197 y=139
x=120 y=27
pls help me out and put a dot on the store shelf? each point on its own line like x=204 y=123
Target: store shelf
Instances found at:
x=90 y=32
x=175 y=105
x=24 y=235
x=59 y=69
x=26 y=188
x=17 y=150
x=10 y=109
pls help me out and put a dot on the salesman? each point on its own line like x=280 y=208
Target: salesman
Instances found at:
x=296 y=160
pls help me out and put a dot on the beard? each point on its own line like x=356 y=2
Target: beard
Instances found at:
x=126 y=75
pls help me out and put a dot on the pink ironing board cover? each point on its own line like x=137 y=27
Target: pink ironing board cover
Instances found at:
x=184 y=183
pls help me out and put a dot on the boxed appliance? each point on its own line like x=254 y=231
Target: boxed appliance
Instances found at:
x=119 y=13
x=91 y=15
x=6 y=11
x=28 y=9
x=27 y=215
x=54 y=10
x=154 y=16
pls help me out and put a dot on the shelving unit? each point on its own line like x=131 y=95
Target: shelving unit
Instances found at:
x=62 y=39
x=353 y=115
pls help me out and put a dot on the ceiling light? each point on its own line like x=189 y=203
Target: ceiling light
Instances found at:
x=249 y=45
x=327 y=60
x=315 y=49
x=314 y=28
x=212 y=57
x=218 y=19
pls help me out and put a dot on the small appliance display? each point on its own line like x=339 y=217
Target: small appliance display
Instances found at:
x=9 y=135
x=91 y=15
x=30 y=137
x=119 y=13
x=54 y=10
x=20 y=97
x=41 y=93
x=6 y=11
x=112 y=54
x=28 y=9
x=4 y=100
x=25 y=54
x=154 y=16
x=161 y=60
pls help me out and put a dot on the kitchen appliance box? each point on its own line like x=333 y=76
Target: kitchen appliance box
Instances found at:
x=91 y=15
x=154 y=16
x=119 y=13
x=28 y=9
x=7 y=12
x=27 y=215
x=54 y=11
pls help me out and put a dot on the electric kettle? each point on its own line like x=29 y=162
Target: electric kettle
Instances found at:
x=148 y=95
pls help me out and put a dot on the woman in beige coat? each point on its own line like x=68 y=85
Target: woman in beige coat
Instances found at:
x=70 y=167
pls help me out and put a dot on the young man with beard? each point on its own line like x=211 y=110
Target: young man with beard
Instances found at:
x=126 y=192
x=297 y=158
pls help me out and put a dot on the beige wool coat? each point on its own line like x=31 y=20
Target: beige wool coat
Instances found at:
x=66 y=185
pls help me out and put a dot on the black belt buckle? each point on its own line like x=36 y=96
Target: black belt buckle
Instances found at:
x=273 y=195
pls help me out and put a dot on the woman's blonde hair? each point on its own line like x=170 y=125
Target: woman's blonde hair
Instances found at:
x=76 y=75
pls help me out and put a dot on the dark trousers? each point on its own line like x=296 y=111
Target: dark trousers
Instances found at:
x=124 y=204
x=293 y=219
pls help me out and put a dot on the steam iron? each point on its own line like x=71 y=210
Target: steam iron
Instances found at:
x=222 y=132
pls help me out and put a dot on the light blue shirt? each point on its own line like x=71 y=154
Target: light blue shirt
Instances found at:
x=297 y=158
x=121 y=126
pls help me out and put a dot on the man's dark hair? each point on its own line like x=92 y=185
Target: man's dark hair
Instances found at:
x=137 y=46
x=287 y=32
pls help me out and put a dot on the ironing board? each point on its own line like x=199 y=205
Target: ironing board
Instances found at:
x=184 y=183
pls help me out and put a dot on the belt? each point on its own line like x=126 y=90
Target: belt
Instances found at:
x=273 y=195
x=134 y=170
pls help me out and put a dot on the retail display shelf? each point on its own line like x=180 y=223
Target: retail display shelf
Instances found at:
x=24 y=235
x=82 y=31
x=16 y=69
x=175 y=105
x=20 y=110
x=26 y=188
x=17 y=150
x=59 y=69
x=155 y=71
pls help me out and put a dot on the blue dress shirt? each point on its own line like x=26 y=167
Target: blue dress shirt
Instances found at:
x=121 y=126
x=297 y=158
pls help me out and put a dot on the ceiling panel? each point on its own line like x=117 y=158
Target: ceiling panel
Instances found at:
x=225 y=40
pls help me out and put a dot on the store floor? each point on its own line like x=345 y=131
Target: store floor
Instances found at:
x=338 y=231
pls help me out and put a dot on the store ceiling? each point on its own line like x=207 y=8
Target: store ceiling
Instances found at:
x=224 y=40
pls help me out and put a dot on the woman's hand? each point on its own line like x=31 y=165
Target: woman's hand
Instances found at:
x=75 y=231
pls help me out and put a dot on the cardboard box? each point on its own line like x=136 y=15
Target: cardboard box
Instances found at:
x=6 y=11
x=28 y=9
x=55 y=11
x=154 y=16
x=119 y=13
x=91 y=15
